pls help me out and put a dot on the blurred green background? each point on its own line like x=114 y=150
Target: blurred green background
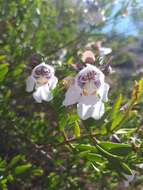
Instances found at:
x=45 y=146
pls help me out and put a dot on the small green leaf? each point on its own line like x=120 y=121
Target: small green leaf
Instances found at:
x=37 y=172
x=3 y=184
x=84 y=147
x=126 y=131
x=18 y=70
x=2 y=165
x=91 y=156
x=70 y=61
x=116 y=106
x=95 y=168
x=22 y=169
x=119 y=117
x=126 y=169
x=3 y=71
x=116 y=148
x=77 y=129
x=72 y=118
x=15 y=160
x=2 y=57
x=10 y=178
x=109 y=145
x=119 y=166
x=106 y=154
x=63 y=122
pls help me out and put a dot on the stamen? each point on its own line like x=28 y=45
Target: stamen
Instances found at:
x=65 y=83
x=68 y=81
x=94 y=93
x=85 y=92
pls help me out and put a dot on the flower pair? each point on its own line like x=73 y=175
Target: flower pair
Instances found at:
x=87 y=89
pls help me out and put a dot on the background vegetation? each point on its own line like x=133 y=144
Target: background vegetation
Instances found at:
x=45 y=146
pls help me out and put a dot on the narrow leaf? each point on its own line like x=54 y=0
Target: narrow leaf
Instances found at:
x=3 y=71
x=22 y=169
x=116 y=106
x=77 y=129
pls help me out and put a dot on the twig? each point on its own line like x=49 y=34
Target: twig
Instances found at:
x=75 y=139
x=66 y=140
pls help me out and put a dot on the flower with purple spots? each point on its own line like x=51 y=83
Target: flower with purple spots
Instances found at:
x=89 y=91
x=43 y=80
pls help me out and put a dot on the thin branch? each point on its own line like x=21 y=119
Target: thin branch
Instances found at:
x=67 y=141
x=76 y=139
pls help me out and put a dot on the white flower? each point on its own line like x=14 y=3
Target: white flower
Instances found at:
x=43 y=80
x=89 y=91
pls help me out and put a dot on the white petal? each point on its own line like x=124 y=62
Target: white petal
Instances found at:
x=53 y=82
x=84 y=111
x=72 y=95
x=43 y=93
x=46 y=93
x=89 y=100
x=97 y=110
x=37 y=96
x=105 y=93
x=30 y=83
